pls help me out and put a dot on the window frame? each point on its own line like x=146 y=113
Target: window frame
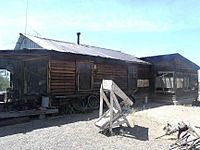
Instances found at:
x=173 y=82
x=143 y=83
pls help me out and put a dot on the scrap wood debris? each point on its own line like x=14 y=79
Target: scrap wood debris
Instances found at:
x=188 y=138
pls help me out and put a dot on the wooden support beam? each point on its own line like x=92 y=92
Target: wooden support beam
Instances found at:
x=101 y=102
x=15 y=114
x=11 y=121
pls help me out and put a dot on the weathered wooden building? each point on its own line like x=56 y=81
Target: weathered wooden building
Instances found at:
x=69 y=73
x=175 y=78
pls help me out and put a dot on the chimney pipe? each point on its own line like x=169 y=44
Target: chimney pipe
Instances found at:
x=78 y=37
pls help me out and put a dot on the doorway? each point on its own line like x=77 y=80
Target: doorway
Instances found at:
x=84 y=75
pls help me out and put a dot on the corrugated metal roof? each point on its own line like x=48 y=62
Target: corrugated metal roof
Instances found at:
x=68 y=47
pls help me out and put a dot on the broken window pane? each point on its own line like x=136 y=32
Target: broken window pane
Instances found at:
x=165 y=82
x=179 y=83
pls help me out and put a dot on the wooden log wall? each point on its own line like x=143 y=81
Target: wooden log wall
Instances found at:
x=117 y=73
x=145 y=72
x=183 y=65
x=62 y=77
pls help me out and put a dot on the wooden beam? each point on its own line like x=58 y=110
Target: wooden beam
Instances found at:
x=15 y=114
x=11 y=121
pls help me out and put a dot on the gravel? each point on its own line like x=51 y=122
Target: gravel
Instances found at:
x=78 y=131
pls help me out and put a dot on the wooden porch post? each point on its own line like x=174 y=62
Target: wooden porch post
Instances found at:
x=174 y=98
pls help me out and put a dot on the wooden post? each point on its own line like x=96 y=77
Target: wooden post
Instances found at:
x=101 y=102
x=23 y=82
x=111 y=110
x=174 y=99
x=198 y=89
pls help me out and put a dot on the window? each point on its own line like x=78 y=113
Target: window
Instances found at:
x=35 y=80
x=165 y=81
x=190 y=82
x=132 y=77
x=142 y=83
x=4 y=79
x=84 y=76
x=186 y=83
x=194 y=82
x=179 y=83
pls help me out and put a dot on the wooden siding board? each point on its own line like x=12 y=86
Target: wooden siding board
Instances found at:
x=117 y=73
x=63 y=76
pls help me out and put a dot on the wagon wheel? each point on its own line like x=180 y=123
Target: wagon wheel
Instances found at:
x=79 y=105
x=69 y=109
x=93 y=101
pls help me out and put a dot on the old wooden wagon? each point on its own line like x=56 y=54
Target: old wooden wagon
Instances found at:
x=69 y=74
x=175 y=78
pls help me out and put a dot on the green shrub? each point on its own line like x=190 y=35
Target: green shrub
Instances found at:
x=4 y=83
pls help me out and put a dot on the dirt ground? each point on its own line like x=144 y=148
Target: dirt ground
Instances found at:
x=78 y=131
x=172 y=114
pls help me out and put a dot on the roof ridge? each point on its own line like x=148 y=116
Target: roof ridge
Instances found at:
x=84 y=49
x=161 y=55
x=47 y=38
x=86 y=45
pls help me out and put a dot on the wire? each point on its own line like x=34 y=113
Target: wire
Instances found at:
x=26 y=15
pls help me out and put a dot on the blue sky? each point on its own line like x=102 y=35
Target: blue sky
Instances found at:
x=137 y=27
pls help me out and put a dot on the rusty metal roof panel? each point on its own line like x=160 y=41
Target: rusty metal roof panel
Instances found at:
x=68 y=47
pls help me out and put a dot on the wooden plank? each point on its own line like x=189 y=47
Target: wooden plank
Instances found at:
x=62 y=61
x=63 y=67
x=15 y=114
x=68 y=94
x=11 y=121
x=62 y=84
x=101 y=103
x=63 y=81
x=63 y=72
x=61 y=91
x=68 y=78
x=62 y=87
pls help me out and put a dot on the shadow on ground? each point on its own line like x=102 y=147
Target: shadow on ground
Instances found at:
x=45 y=123
x=136 y=132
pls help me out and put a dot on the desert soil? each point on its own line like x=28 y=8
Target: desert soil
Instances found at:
x=78 y=131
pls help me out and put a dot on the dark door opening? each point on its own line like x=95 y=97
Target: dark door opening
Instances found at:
x=132 y=78
x=84 y=76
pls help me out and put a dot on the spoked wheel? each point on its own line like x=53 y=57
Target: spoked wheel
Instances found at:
x=69 y=109
x=79 y=105
x=93 y=101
